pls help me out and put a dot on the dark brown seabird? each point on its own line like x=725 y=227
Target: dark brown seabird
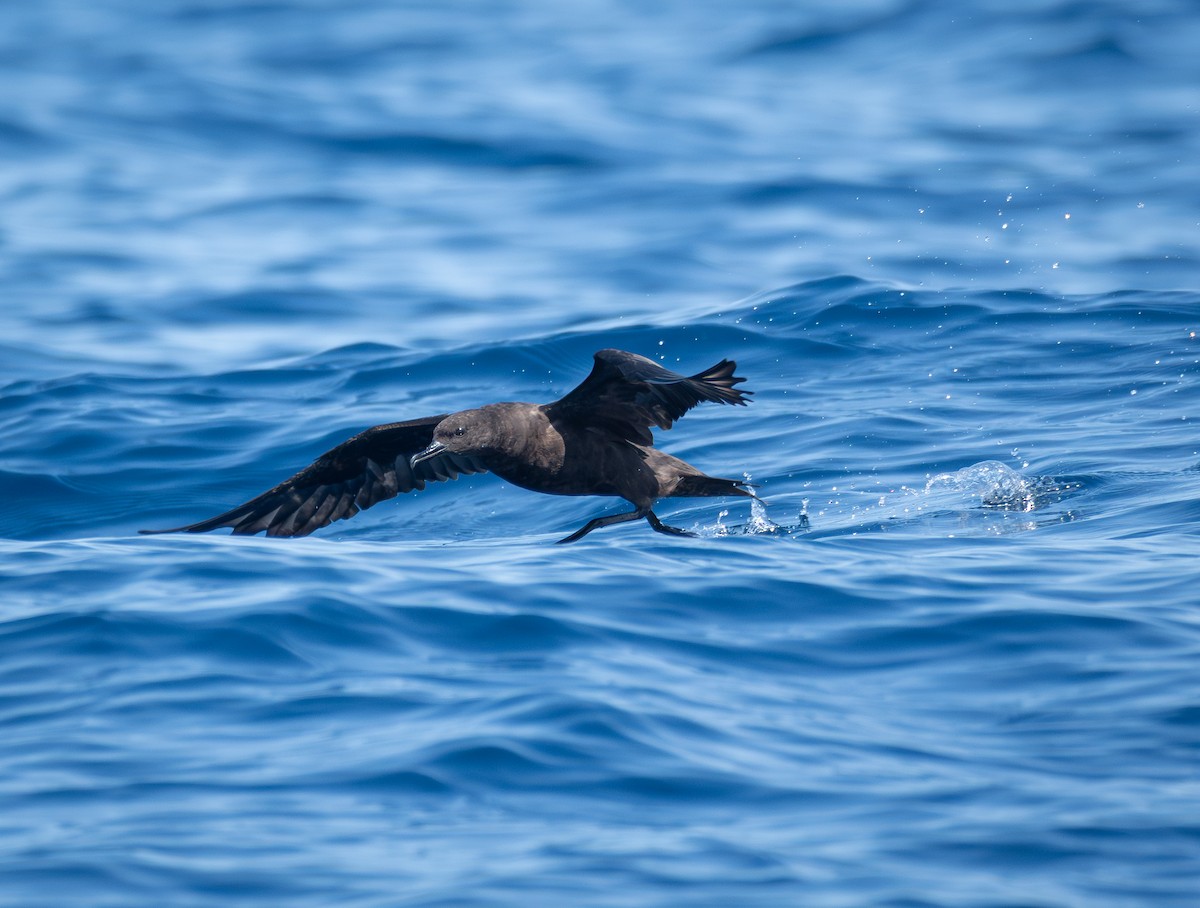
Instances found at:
x=594 y=441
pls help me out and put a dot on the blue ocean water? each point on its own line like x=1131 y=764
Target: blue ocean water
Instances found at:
x=954 y=249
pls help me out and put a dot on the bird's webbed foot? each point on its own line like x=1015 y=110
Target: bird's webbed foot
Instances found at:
x=652 y=519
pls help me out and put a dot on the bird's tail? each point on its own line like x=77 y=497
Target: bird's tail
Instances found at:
x=701 y=486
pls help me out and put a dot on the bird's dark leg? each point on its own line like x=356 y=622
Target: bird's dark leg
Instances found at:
x=609 y=520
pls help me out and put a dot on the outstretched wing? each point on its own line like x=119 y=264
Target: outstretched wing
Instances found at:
x=627 y=394
x=369 y=468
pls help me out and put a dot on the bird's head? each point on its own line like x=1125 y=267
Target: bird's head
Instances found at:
x=468 y=432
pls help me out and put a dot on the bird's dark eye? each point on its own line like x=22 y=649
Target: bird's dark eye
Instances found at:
x=460 y=431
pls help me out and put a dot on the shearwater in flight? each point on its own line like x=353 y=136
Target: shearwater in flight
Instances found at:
x=594 y=441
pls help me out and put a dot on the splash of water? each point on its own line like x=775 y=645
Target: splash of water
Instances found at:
x=991 y=484
x=759 y=521
x=758 y=524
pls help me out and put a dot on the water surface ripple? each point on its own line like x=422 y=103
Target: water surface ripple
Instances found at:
x=952 y=663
